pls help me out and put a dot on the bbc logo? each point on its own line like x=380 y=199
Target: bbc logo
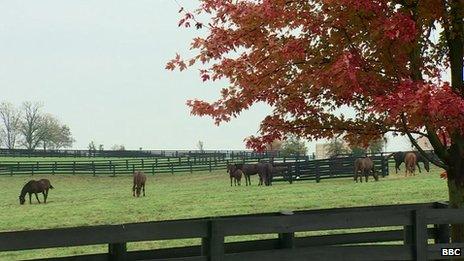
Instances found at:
x=451 y=252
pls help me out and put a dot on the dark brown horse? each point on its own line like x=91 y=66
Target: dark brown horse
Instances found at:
x=247 y=170
x=363 y=167
x=139 y=183
x=34 y=187
x=399 y=159
x=410 y=160
x=236 y=176
x=264 y=171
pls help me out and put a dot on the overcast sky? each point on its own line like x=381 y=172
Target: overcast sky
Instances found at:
x=99 y=67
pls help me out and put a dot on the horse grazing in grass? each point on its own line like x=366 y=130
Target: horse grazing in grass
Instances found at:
x=410 y=160
x=139 y=183
x=399 y=159
x=363 y=167
x=235 y=174
x=264 y=171
x=247 y=170
x=33 y=186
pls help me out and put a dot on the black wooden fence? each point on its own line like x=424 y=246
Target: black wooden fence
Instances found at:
x=318 y=170
x=290 y=168
x=126 y=166
x=393 y=232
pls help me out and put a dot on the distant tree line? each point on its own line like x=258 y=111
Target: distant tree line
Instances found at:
x=292 y=145
x=337 y=146
x=28 y=126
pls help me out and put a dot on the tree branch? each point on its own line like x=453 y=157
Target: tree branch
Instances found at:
x=421 y=151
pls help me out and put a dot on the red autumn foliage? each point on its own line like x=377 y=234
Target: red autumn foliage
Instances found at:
x=310 y=59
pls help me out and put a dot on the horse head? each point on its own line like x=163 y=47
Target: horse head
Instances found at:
x=231 y=168
x=22 y=199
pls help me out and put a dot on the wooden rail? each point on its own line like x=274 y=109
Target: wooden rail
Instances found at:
x=123 y=166
x=397 y=232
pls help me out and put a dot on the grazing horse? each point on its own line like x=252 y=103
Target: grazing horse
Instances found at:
x=139 y=183
x=248 y=170
x=362 y=167
x=410 y=160
x=33 y=186
x=264 y=171
x=235 y=174
x=399 y=159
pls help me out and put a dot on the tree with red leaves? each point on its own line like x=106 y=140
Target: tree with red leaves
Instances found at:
x=308 y=59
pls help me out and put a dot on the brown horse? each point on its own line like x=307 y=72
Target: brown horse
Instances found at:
x=139 y=183
x=264 y=171
x=236 y=176
x=410 y=160
x=33 y=186
x=364 y=166
x=247 y=170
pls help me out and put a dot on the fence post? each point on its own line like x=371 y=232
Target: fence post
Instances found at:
x=143 y=165
x=172 y=168
x=114 y=169
x=382 y=164
x=54 y=168
x=74 y=168
x=442 y=234
x=127 y=164
x=190 y=165
x=420 y=235
x=318 y=175
x=209 y=165
x=117 y=251
x=93 y=168
x=212 y=246
x=153 y=169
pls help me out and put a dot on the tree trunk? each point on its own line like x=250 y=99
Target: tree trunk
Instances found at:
x=456 y=185
x=456 y=200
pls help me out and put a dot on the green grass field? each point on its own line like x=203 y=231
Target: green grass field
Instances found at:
x=83 y=200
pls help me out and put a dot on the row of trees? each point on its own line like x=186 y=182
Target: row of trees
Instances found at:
x=337 y=146
x=29 y=127
x=291 y=146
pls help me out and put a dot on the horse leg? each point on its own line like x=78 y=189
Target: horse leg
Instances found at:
x=45 y=197
x=417 y=164
x=231 y=181
x=37 y=197
x=30 y=195
x=143 y=189
x=133 y=190
x=248 y=180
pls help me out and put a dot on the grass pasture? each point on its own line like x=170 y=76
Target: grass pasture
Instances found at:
x=85 y=200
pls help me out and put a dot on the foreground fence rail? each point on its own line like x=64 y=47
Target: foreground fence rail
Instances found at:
x=394 y=232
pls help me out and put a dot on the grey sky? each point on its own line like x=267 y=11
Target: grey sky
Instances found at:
x=99 y=67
